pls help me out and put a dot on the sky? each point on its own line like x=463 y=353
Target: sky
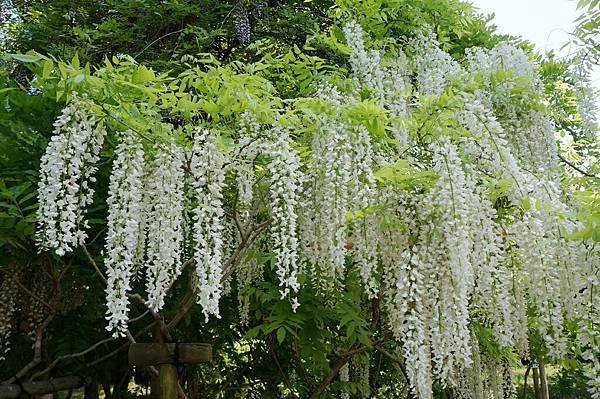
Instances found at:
x=546 y=23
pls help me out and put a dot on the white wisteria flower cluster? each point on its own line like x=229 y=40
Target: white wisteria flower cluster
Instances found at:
x=325 y=231
x=345 y=377
x=466 y=256
x=125 y=214
x=208 y=180
x=433 y=66
x=164 y=194
x=67 y=177
x=285 y=181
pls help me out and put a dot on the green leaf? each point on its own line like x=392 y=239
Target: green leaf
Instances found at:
x=47 y=68
x=280 y=335
x=27 y=58
x=75 y=61
x=253 y=332
x=143 y=74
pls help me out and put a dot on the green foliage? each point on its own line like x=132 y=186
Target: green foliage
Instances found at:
x=156 y=32
x=568 y=383
x=17 y=216
x=588 y=28
x=405 y=176
x=23 y=122
x=456 y=23
x=589 y=214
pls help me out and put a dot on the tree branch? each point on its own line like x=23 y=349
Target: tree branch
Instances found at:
x=575 y=167
x=228 y=267
x=345 y=358
x=38 y=388
x=71 y=356
x=525 y=381
x=121 y=348
x=278 y=364
x=400 y=364
x=37 y=352
x=93 y=263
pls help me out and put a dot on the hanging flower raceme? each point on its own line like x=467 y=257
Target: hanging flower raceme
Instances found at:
x=365 y=65
x=246 y=152
x=451 y=231
x=66 y=173
x=518 y=72
x=363 y=195
x=409 y=321
x=242 y=24
x=285 y=182
x=434 y=67
x=531 y=136
x=325 y=216
x=489 y=377
x=438 y=280
x=469 y=383
x=341 y=180
x=164 y=228
x=493 y=151
x=388 y=84
x=537 y=242
x=535 y=144
x=208 y=182
x=125 y=212
x=345 y=377
x=589 y=329
x=508 y=386
x=249 y=273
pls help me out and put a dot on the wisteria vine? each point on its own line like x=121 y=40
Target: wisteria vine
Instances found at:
x=453 y=217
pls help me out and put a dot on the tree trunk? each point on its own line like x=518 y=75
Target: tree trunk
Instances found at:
x=536 y=383
x=106 y=389
x=90 y=391
x=192 y=385
x=154 y=387
x=525 y=382
x=543 y=382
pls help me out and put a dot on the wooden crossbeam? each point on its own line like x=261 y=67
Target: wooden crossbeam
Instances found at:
x=153 y=354
x=165 y=356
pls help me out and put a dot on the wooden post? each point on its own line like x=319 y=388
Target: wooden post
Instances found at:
x=167 y=381
x=165 y=356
